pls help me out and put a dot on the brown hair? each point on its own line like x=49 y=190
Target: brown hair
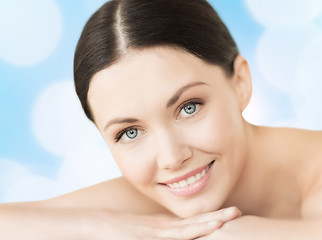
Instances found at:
x=192 y=25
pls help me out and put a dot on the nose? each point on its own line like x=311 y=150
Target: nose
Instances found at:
x=172 y=150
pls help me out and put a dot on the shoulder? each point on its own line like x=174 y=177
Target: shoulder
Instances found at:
x=301 y=152
x=299 y=143
x=312 y=196
x=117 y=195
x=308 y=147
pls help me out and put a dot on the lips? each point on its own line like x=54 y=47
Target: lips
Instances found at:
x=190 y=183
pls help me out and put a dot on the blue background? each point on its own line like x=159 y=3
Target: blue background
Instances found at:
x=282 y=51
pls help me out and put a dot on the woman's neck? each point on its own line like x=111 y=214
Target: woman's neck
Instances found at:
x=265 y=187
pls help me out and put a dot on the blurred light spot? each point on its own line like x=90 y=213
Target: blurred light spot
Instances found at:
x=277 y=54
x=276 y=13
x=93 y=5
x=58 y=121
x=89 y=165
x=60 y=126
x=17 y=183
x=29 y=30
x=307 y=99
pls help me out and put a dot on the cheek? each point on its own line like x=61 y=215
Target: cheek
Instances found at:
x=136 y=165
x=215 y=132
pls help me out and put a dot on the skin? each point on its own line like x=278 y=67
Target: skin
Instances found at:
x=272 y=175
x=266 y=163
x=171 y=142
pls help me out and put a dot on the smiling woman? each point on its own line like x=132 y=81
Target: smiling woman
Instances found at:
x=168 y=136
x=166 y=87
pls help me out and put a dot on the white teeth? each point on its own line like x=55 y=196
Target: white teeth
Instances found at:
x=176 y=185
x=198 y=176
x=190 y=180
x=183 y=183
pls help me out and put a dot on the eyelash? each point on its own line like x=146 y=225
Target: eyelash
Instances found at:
x=122 y=132
x=198 y=102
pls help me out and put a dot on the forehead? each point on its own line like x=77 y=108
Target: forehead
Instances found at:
x=165 y=61
x=143 y=76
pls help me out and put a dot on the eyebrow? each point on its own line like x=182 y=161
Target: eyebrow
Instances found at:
x=119 y=121
x=170 y=103
x=180 y=91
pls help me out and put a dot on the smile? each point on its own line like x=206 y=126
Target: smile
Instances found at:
x=190 y=183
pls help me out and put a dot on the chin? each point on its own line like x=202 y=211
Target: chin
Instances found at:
x=187 y=211
x=187 y=208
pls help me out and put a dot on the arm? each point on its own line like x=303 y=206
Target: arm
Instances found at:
x=33 y=221
x=38 y=221
x=254 y=228
x=309 y=226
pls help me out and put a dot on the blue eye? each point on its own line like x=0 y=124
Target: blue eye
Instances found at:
x=190 y=108
x=128 y=134
x=132 y=133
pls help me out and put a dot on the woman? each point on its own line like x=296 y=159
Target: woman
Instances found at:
x=165 y=85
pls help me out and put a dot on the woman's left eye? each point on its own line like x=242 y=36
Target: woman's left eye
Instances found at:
x=132 y=133
x=189 y=109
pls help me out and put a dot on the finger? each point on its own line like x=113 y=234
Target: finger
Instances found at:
x=159 y=221
x=189 y=231
x=223 y=215
x=215 y=235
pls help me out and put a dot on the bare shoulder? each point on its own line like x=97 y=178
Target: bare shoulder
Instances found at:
x=117 y=195
x=302 y=153
x=309 y=145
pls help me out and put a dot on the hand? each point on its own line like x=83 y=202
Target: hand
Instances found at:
x=130 y=226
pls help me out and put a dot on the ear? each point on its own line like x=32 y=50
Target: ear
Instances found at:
x=242 y=81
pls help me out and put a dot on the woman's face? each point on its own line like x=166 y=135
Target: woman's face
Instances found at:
x=174 y=126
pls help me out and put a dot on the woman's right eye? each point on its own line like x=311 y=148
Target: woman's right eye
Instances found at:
x=127 y=135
